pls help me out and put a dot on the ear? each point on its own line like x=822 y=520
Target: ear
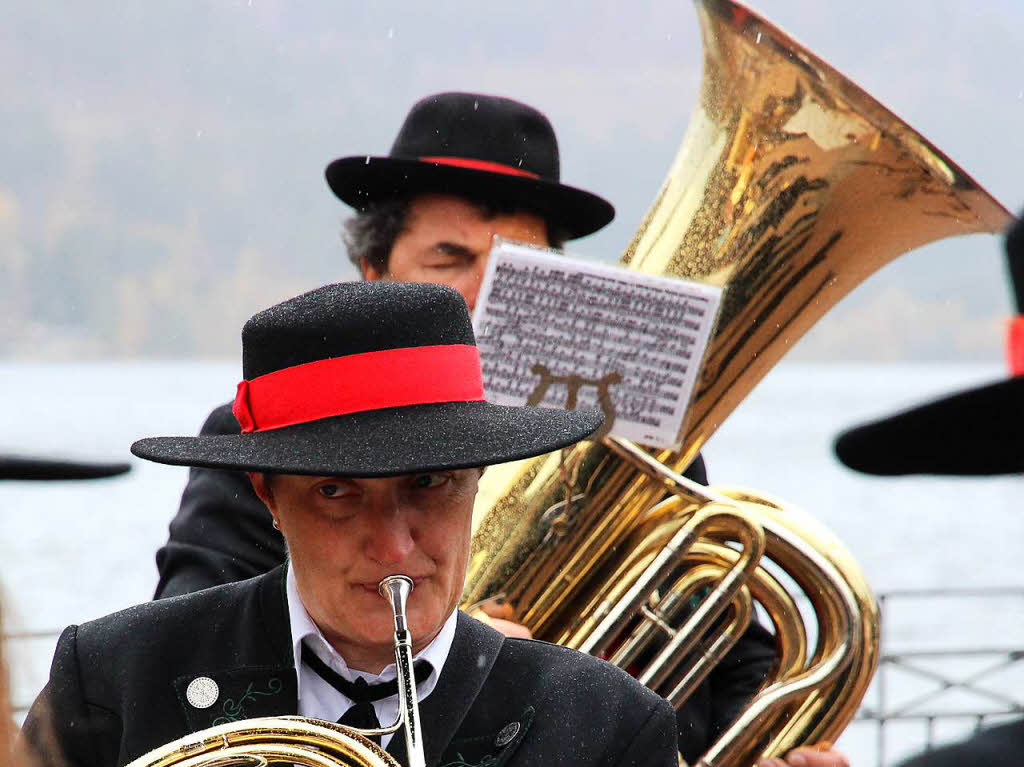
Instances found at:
x=261 y=486
x=264 y=490
x=370 y=273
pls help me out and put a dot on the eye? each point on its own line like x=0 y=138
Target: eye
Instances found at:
x=429 y=480
x=333 y=490
x=445 y=265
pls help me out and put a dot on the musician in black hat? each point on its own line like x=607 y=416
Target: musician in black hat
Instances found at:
x=364 y=430
x=464 y=167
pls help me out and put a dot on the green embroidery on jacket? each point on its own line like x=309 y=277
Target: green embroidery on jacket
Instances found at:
x=235 y=710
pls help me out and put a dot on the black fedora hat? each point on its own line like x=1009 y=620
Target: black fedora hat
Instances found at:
x=477 y=146
x=368 y=379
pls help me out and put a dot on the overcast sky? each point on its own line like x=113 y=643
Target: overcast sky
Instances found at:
x=163 y=155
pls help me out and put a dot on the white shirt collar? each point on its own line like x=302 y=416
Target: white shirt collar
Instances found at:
x=320 y=700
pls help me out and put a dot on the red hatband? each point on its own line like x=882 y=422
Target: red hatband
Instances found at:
x=416 y=375
x=1015 y=345
x=492 y=167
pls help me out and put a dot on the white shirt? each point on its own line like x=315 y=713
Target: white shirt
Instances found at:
x=320 y=700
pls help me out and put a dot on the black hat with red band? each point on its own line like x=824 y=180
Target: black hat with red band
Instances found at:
x=477 y=146
x=368 y=379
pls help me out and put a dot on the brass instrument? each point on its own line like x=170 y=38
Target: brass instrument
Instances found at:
x=791 y=186
x=309 y=742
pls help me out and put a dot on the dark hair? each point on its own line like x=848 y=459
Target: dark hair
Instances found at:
x=370 y=234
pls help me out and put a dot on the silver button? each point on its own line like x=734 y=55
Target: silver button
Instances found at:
x=508 y=732
x=202 y=692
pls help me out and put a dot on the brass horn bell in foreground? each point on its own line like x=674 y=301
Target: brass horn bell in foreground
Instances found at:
x=305 y=742
x=792 y=185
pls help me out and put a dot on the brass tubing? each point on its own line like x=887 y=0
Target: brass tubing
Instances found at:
x=849 y=622
x=752 y=540
x=664 y=563
x=742 y=609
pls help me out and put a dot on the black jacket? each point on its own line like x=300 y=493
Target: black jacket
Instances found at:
x=999 y=746
x=117 y=688
x=223 y=533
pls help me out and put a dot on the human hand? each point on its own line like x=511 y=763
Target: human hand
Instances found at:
x=820 y=755
x=499 y=617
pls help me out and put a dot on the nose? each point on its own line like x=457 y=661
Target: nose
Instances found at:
x=472 y=280
x=390 y=539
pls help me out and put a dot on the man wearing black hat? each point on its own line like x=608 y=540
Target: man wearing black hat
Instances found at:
x=464 y=167
x=364 y=430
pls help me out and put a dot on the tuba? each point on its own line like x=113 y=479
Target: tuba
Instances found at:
x=309 y=742
x=791 y=186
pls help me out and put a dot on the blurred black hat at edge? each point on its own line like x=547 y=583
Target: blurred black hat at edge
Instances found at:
x=975 y=432
x=25 y=468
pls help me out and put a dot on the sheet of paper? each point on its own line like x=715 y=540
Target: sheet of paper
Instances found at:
x=562 y=332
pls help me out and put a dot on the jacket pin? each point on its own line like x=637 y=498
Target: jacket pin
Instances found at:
x=202 y=692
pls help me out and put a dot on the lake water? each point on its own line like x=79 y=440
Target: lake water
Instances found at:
x=74 y=551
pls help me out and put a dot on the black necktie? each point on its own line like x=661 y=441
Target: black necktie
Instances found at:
x=362 y=694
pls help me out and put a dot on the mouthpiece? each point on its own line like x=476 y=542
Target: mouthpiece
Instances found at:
x=396 y=589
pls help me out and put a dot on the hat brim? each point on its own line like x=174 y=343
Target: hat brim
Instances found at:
x=362 y=181
x=383 y=443
x=25 y=468
x=976 y=432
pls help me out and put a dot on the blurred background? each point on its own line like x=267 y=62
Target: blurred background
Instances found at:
x=162 y=162
x=161 y=179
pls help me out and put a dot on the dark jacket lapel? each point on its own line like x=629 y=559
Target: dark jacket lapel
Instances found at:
x=266 y=684
x=473 y=653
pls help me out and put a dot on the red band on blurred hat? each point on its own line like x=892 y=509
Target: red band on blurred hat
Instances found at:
x=417 y=375
x=1015 y=345
x=492 y=167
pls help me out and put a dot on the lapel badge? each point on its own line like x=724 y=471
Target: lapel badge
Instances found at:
x=506 y=735
x=202 y=692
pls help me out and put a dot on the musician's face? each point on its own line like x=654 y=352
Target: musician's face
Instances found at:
x=447 y=240
x=345 y=535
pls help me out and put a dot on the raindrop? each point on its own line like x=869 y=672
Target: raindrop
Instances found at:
x=199 y=133
x=758 y=40
x=391 y=33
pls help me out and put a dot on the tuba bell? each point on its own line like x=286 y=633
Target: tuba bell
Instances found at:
x=792 y=185
x=297 y=740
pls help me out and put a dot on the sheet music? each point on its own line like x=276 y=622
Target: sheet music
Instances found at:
x=553 y=329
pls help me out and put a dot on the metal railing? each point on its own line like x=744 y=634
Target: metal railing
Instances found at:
x=978 y=673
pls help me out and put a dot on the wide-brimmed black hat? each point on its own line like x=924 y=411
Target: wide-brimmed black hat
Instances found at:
x=26 y=468
x=477 y=146
x=368 y=379
x=975 y=432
